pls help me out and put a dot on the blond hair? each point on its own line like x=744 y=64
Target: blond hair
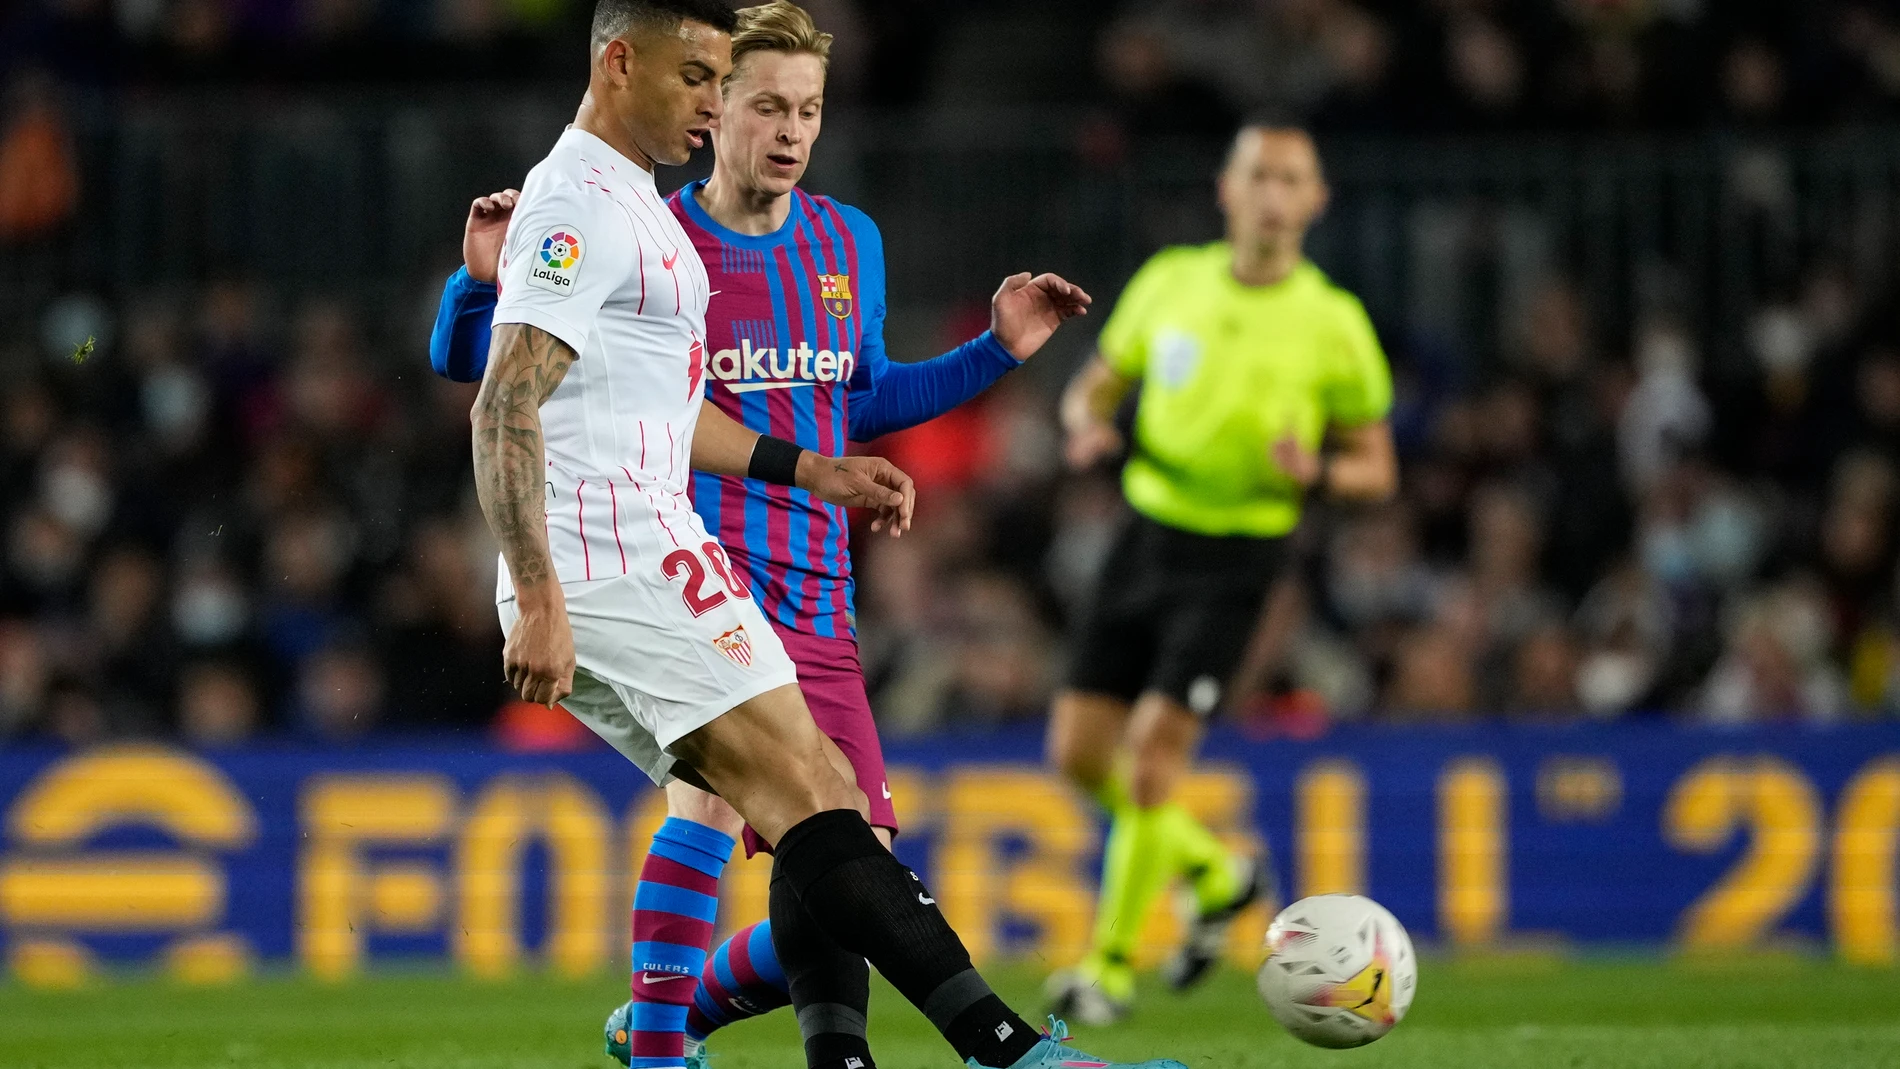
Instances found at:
x=780 y=26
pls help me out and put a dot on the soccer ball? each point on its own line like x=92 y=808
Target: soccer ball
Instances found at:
x=1340 y=971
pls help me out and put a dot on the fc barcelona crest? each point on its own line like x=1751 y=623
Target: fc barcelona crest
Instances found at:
x=835 y=291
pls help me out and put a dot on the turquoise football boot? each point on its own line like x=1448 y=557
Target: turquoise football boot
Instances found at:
x=1052 y=1052
x=620 y=1034
x=620 y=1041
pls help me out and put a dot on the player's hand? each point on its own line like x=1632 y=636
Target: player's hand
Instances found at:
x=1090 y=444
x=861 y=483
x=483 y=233
x=1026 y=311
x=1299 y=463
x=538 y=658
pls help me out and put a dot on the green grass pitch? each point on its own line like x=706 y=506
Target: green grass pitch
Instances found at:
x=1769 y=1013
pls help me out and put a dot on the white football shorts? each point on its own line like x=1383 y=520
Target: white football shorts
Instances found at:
x=649 y=670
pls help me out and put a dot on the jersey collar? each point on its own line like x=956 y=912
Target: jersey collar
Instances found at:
x=1302 y=271
x=689 y=199
x=594 y=149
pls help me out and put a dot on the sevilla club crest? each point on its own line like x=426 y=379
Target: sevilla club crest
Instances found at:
x=736 y=645
x=835 y=291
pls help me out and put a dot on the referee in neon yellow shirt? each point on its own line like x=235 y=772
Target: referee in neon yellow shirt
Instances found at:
x=1260 y=383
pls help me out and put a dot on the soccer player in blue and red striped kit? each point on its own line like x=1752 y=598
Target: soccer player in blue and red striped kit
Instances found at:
x=795 y=350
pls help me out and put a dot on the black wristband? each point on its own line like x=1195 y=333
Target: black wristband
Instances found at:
x=774 y=460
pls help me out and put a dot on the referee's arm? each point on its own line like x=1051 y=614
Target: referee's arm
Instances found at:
x=1088 y=413
x=1357 y=464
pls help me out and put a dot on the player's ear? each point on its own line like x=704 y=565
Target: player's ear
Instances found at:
x=616 y=60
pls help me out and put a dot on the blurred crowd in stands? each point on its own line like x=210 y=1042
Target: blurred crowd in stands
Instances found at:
x=1169 y=66
x=244 y=510
x=222 y=519
x=1507 y=64
x=235 y=515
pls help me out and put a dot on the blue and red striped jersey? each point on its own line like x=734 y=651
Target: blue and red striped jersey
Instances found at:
x=791 y=317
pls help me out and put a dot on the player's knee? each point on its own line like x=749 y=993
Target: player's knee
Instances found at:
x=1163 y=738
x=823 y=788
x=690 y=803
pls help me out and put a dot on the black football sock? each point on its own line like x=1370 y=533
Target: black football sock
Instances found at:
x=830 y=986
x=875 y=907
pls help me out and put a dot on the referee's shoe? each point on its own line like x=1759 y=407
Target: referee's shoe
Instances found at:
x=1207 y=935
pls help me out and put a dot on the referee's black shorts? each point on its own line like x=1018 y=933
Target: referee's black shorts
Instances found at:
x=1173 y=613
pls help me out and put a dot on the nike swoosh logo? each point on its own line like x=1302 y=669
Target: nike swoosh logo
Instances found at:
x=669 y=261
x=755 y=387
x=649 y=978
x=925 y=900
x=887 y=792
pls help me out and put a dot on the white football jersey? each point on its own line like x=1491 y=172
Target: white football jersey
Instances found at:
x=594 y=257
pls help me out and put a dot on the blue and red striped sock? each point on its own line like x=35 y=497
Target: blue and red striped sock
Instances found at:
x=742 y=979
x=674 y=907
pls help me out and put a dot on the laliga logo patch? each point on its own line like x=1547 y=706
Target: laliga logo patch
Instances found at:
x=736 y=645
x=557 y=261
x=835 y=292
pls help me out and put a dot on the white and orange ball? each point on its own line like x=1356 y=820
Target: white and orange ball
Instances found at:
x=1340 y=971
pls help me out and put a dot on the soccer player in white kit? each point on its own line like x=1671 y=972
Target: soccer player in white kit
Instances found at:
x=616 y=601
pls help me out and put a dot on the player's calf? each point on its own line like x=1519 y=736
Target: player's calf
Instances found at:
x=743 y=979
x=1085 y=733
x=829 y=985
x=831 y=872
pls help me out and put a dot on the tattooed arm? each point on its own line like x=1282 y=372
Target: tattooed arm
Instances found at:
x=525 y=365
x=723 y=446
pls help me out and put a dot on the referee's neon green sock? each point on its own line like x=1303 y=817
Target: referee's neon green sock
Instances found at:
x=1197 y=854
x=1135 y=868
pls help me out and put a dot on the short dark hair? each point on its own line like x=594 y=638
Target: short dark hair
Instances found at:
x=613 y=18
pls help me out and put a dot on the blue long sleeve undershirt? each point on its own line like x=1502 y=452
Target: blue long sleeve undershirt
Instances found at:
x=458 y=346
x=905 y=395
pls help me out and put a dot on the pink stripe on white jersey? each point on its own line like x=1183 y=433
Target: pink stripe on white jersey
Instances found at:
x=613 y=502
x=580 y=521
